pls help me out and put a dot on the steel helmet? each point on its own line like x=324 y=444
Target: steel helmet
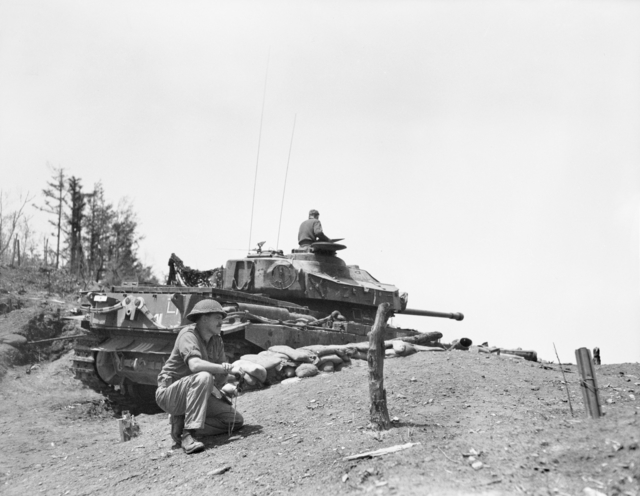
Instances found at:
x=313 y=212
x=206 y=306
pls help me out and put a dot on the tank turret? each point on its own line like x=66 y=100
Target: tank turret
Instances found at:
x=318 y=279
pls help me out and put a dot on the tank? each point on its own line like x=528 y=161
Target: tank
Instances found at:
x=310 y=296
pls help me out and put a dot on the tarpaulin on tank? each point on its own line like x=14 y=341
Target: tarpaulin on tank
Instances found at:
x=359 y=283
x=137 y=345
x=340 y=289
x=234 y=327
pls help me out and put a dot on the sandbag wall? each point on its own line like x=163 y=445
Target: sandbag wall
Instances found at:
x=283 y=362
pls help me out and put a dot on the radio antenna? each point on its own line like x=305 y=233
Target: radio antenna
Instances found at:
x=285 y=179
x=255 y=178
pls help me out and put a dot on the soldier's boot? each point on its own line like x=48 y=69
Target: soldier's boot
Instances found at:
x=190 y=444
x=177 y=426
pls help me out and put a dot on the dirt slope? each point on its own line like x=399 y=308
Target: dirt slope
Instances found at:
x=57 y=438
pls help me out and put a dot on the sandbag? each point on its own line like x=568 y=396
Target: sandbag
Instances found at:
x=390 y=353
x=326 y=366
x=280 y=356
x=359 y=355
x=300 y=355
x=329 y=358
x=289 y=371
x=362 y=346
x=284 y=359
x=13 y=340
x=249 y=379
x=7 y=354
x=253 y=369
x=403 y=349
x=346 y=359
x=268 y=362
x=420 y=347
x=307 y=370
x=323 y=350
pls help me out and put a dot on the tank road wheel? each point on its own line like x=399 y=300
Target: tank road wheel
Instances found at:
x=106 y=367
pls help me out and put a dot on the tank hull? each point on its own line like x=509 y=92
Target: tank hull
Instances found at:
x=132 y=330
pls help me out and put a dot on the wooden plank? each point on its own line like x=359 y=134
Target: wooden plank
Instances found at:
x=588 y=383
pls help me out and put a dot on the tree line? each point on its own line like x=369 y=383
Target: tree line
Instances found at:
x=93 y=239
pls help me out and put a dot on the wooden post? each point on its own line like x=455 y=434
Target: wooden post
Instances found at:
x=16 y=249
x=128 y=427
x=378 y=412
x=13 y=255
x=588 y=383
x=45 y=250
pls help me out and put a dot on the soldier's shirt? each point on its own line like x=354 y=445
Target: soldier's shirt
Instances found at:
x=188 y=345
x=309 y=230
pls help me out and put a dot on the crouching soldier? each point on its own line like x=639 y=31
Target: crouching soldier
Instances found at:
x=188 y=385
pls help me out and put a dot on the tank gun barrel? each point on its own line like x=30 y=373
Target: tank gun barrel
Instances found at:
x=429 y=313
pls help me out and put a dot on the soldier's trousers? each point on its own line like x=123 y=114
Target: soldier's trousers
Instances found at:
x=191 y=396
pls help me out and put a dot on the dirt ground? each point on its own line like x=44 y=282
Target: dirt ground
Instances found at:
x=60 y=438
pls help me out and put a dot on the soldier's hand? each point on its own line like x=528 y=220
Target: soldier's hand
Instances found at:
x=237 y=371
x=229 y=390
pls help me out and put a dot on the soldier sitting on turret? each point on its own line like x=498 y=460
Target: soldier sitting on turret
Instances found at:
x=311 y=230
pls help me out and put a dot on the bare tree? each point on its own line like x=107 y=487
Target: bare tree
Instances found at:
x=54 y=200
x=10 y=220
x=27 y=244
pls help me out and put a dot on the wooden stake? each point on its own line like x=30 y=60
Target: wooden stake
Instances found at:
x=378 y=412
x=588 y=384
x=128 y=427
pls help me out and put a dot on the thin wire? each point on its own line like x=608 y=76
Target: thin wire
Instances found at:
x=566 y=385
x=232 y=426
x=235 y=408
x=285 y=180
x=255 y=178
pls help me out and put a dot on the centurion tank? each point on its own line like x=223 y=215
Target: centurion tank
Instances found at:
x=308 y=297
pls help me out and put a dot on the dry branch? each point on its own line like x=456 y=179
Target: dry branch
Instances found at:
x=380 y=452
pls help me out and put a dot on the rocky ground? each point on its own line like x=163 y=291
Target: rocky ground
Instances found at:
x=510 y=415
x=477 y=424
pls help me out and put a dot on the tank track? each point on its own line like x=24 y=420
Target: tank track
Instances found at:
x=132 y=397
x=84 y=366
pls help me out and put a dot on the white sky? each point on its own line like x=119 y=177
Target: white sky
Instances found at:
x=482 y=156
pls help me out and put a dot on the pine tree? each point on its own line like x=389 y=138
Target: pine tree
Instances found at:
x=73 y=221
x=54 y=200
x=97 y=227
x=123 y=244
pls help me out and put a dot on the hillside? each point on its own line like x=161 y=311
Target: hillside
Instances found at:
x=461 y=407
x=511 y=415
